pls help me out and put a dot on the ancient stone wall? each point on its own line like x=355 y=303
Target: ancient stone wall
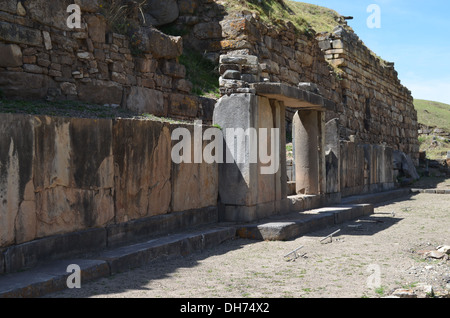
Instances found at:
x=372 y=105
x=61 y=175
x=376 y=107
x=42 y=58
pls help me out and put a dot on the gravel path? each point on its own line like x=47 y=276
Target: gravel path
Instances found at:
x=370 y=258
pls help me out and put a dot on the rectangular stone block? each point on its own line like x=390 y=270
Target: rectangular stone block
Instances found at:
x=187 y=195
x=10 y=55
x=145 y=100
x=185 y=106
x=16 y=156
x=10 y=32
x=30 y=254
x=150 y=227
x=142 y=161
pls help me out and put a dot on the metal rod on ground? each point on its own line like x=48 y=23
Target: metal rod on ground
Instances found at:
x=294 y=252
x=331 y=235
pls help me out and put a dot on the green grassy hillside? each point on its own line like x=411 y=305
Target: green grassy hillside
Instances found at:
x=306 y=17
x=433 y=114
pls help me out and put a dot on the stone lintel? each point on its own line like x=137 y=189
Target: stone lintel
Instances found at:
x=293 y=97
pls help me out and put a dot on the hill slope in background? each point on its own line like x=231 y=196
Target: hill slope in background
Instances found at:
x=435 y=142
x=306 y=17
x=433 y=114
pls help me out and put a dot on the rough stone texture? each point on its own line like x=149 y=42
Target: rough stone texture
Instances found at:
x=96 y=28
x=101 y=92
x=404 y=165
x=42 y=58
x=16 y=144
x=19 y=34
x=366 y=95
x=365 y=168
x=91 y=6
x=54 y=15
x=159 y=44
x=143 y=169
x=146 y=100
x=236 y=111
x=10 y=55
x=15 y=83
x=306 y=144
x=183 y=106
x=62 y=175
x=251 y=187
x=73 y=192
x=161 y=12
x=188 y=195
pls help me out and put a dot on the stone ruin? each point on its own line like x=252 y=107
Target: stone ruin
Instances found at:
x=72 y=185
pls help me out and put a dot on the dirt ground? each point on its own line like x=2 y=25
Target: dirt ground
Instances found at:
x=370 y=257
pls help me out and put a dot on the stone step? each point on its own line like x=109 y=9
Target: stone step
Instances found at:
x=379 y=197
x=295 y=225
x=52 y=277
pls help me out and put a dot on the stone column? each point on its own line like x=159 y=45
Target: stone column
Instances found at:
x=251 y=183
x=306 y=131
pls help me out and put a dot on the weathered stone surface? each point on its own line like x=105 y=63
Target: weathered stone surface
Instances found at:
x=146 y=100
x=404 y=293
x=187 y=6
x=183 y=85
x=161 y=12
x=20 y=9
x=159 y=44
x=18 y=84
x=292 y=96
x=266 y=186
x=96 y=28
x=306 y=154
x=174 y=69
x=10 y=55
x=183 y=105
x=143 y=169
x=68 y=88
x=88 y=5
x=9 y=6
x=47 y=40
x=146 y=65
x=73 y=174
x=101 y=92
x=16 y=154
x=55 y=247
x=237 y=179
x=53 y=14
x=199 y=194
x=208 y=30
x=231 y=74
x=404 y=163
x=19 y=34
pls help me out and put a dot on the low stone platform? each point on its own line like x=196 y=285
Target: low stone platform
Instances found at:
x=52 y=277
x=297 y=224
x=431 y=191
